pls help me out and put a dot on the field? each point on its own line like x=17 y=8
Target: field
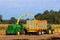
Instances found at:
x=54 y=36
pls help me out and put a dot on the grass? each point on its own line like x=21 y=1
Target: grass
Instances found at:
x=56 y=26
x=2 y=28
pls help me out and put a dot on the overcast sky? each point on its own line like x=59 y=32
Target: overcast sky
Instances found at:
x=14 y=8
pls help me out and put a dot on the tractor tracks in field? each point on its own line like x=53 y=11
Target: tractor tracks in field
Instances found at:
x=55 y=36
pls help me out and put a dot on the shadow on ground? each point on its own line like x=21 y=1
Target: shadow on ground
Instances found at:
x=54 y=38
x=20 y=39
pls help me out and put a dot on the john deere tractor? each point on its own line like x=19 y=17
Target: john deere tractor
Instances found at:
x=14 y=29
x=17 y=28
x=31 y=27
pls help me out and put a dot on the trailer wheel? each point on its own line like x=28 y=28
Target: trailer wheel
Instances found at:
x=40 y=32
x=52 y=31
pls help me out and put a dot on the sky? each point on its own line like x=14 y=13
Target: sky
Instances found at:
x=15 y=8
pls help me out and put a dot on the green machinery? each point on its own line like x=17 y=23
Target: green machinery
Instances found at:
x=13 y=29
x=20 y=29
x=16 y=28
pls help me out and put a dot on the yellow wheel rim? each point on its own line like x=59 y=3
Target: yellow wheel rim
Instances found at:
x=18 y=33
x=50 y=31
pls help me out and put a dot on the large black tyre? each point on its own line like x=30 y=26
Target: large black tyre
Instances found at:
x=50 y=31
x=47 y=31
x=23 y=32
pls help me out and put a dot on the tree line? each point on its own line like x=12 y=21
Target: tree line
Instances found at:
x=53 y=17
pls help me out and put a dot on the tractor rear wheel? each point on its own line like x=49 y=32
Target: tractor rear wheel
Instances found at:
x=23 y=32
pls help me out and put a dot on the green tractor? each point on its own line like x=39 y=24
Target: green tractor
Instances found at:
x=17 y=28
x=14 y=29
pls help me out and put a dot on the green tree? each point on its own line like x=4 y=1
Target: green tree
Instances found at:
x=52 y=17
x=12 y=20
x=38 y=16
x=0 y=19
x=5 y=21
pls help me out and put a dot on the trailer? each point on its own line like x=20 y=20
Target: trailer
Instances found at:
x=38 y=27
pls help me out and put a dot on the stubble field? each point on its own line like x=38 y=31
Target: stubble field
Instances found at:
x=55 y=36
